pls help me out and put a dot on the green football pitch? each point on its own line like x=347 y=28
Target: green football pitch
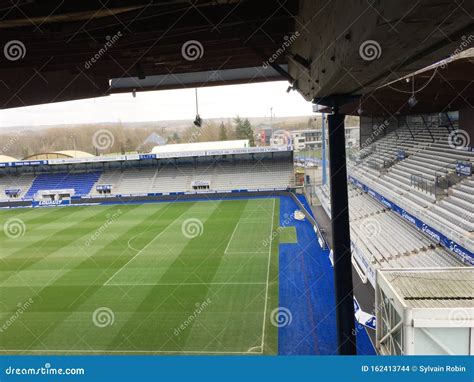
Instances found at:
x=161 y=278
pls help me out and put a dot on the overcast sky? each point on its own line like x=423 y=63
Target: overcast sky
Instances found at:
x=251 y=100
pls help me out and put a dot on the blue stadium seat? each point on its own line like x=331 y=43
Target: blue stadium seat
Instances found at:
x=82 y=183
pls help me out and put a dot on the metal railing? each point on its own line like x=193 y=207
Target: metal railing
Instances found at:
x=418 y=181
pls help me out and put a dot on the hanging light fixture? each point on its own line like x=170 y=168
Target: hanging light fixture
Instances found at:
x=197 y=121
x=360 y=110
x=412 y=101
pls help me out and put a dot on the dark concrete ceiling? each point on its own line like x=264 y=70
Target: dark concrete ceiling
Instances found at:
x=447 y=86
x=73 y=49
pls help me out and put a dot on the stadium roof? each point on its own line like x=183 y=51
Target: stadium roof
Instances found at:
x=75 y=154
x=445 y=86
x=201 y=146
x=6 y=158
x=57 y=50
x=432 y=287
x=59 y=154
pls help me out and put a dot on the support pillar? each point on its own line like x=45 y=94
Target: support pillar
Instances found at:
x=323 y=156
x=341 y=245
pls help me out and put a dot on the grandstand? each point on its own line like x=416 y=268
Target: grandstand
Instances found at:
x=192 y=171
x=411 y=206
x=423 y=181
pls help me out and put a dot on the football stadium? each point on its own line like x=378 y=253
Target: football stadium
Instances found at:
x=243 y=247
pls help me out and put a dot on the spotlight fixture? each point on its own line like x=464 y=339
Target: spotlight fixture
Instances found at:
x=197 y=121
x=360 y=110
x=412 y=101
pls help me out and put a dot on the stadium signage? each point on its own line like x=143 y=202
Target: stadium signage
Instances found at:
x=364 y=318
x=464 y=254
x=401 y=154
x=24 y=163
x=363 y=263
x=463 y=169
x=429 y=232
x=407 y=216
x=50 y=203
x=147 y=156
x=131 y=157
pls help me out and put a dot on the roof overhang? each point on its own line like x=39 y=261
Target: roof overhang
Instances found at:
x=72 y=50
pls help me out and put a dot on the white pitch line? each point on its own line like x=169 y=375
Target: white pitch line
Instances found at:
x=247 y=253
x=128 y=351
x=145 y=247
x=231 y=238
x=184 y=284
x=268 y=276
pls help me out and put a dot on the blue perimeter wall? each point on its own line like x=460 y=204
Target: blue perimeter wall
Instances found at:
x=306 y=289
